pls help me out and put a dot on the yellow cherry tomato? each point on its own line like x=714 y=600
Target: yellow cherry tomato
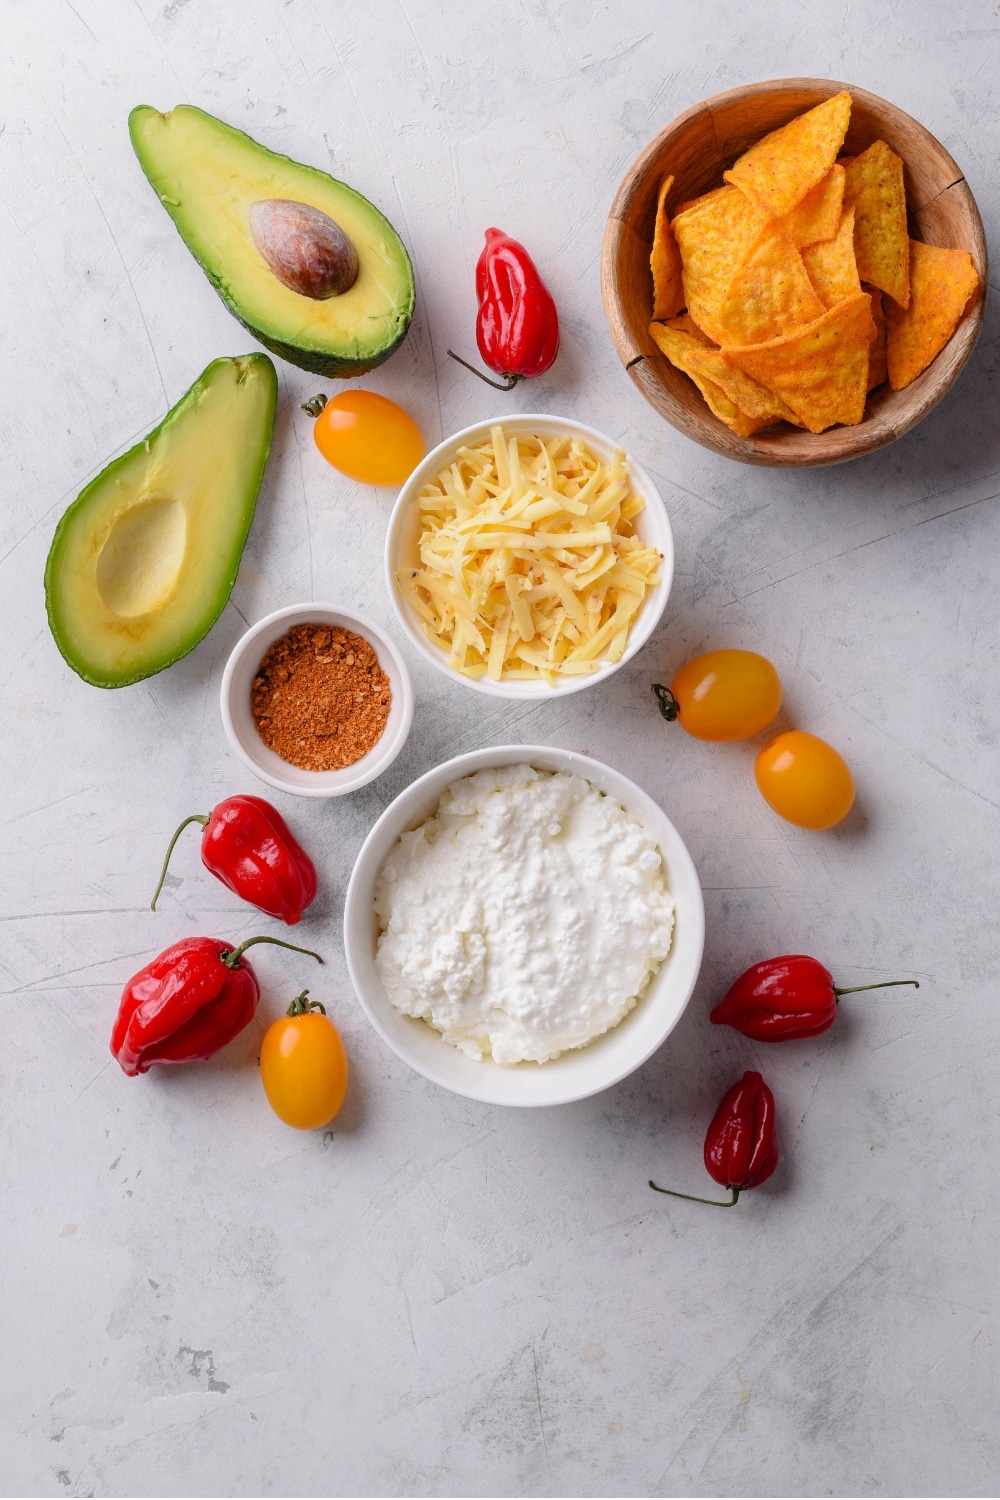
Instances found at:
x=805 y=780
x=303 y=1066
x=723 y=695
x=367 y=437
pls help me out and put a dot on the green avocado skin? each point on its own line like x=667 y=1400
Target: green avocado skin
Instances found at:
x=250 y=366
x=333 y=363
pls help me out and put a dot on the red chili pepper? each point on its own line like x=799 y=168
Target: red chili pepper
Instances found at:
x=741 y=1150
x=517 y=328
x=248 y=845
x=187 y=1003
x=785 y=998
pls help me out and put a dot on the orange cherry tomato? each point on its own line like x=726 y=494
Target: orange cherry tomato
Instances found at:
x=367 y=437
x=303 y=1066
x=723 y=695
x=805 y=780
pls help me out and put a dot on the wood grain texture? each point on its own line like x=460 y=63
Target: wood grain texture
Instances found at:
x=697 y=147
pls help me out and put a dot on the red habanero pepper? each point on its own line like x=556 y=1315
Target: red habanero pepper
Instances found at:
x=741 y=1150
x=248 y=846
x=192 y=999
x=517 y=327
x=783 y=999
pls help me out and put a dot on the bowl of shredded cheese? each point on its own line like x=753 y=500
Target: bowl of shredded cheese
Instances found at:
x=529 y=555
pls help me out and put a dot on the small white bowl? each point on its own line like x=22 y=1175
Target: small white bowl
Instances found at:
x=574 y=1075
x=238 y=721
x=652 y=526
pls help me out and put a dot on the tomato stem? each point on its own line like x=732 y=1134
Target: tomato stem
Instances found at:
x=690 y=1197
x=511 y=380
x=301 y=1006
x=201 y=818
x=669 y=708
x=314 y=405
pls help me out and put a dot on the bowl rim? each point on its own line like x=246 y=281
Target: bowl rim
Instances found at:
x=649 y=615
x=837 y=444
x=684 y=884
x=386 y=748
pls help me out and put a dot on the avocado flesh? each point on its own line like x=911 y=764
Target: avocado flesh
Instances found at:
x=208 y=176
x=144 y=560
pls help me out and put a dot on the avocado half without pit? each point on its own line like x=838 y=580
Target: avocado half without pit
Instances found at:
x=144 y=560
x=314 y=271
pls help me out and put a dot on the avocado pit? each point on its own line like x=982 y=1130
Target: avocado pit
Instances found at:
x=307 y=251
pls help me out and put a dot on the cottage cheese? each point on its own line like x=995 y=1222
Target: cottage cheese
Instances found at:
x=525 y=917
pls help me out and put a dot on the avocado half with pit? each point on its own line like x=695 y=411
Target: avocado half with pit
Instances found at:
x=144 y=560
x=307 y=264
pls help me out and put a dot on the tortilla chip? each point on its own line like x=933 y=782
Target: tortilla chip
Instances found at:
x=703 y=362
x=782 y=167
x=748 y=394
x=665 y=261
x=702 y=202
x=942 y=282
x=831 y=266
x=817 y=217
x=875 y=186
x=820 y=371
x=721 y=406
x=682 y=349
x=770 y=295
x=878 y=369
x=675 y=341
x=686 y=324
x=714 y=238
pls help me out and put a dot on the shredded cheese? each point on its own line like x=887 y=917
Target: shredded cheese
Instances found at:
x=530 y=566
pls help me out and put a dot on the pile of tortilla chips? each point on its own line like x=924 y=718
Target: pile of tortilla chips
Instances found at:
x=794 y=289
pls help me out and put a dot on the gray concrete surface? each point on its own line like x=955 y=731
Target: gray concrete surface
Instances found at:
x=437 y=1298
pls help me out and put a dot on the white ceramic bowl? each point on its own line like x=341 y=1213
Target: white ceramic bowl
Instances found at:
x=401 y=550
x=241 y=730
x=576 y=1074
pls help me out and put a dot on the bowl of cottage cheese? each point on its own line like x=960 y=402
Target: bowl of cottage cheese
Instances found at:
x=524 y=925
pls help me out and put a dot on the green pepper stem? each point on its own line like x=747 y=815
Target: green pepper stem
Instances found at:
x=203 y=819
x=884 y=984
x=668 y=705
x=232 y=958
x=301 y=1006
x=314 y=405
x=511 y=380
x=712 y=1202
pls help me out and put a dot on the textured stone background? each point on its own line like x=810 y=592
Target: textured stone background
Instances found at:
x=436 y=1298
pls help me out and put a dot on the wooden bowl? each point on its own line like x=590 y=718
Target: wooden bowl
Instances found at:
x=698 y=147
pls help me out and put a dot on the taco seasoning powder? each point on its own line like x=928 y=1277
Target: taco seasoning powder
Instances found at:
x=320 y=699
